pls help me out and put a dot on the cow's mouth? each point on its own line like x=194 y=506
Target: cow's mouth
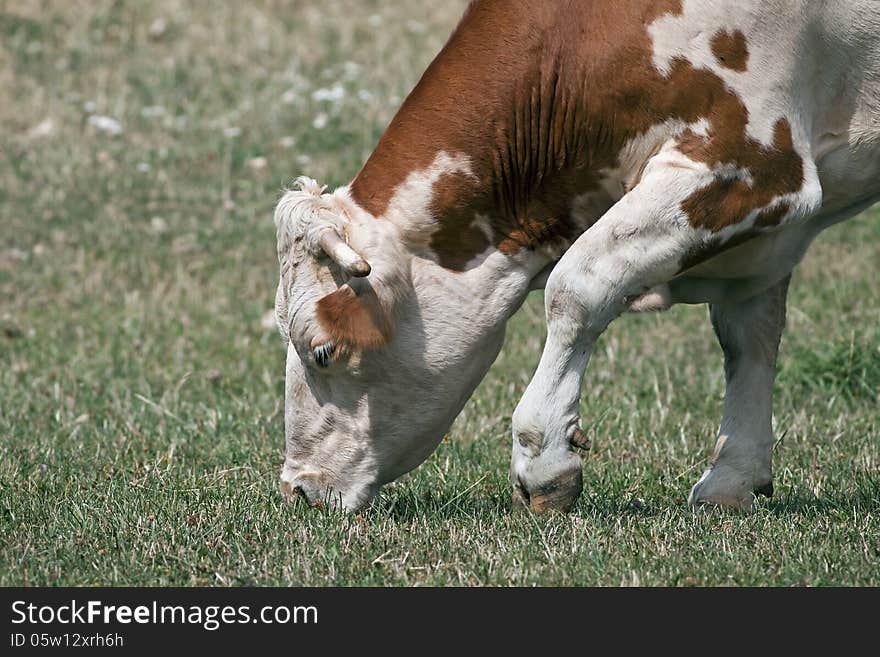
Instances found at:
x=295 y=491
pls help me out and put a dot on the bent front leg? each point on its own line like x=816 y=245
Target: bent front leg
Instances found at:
x=638 y=244
x=749 y=333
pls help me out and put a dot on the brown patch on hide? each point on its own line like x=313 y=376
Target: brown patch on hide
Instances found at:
x=773 y=216
x=542 y=97
x=766 y=218
x=456 y=225
x=535 y=231
x=773 y=171
x=354 y=319
x=731 y=50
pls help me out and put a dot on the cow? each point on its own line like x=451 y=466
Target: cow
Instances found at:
x=623 y=156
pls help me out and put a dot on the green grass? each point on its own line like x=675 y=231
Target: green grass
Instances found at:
x=141 y=428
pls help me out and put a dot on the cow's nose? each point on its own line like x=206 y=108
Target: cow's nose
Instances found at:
x=305 y=490
x=294 y=491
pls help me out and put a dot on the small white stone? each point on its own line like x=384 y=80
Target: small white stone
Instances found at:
x=152 y=111
x=158 y=28
x=45 y=128
x=106 y=124
x=159 y=225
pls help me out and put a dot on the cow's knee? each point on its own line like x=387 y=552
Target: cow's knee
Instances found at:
x=580 y=303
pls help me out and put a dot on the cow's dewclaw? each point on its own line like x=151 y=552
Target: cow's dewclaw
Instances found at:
x=579 y=439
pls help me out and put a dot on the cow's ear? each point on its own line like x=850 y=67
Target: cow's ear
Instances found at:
x=355 y=318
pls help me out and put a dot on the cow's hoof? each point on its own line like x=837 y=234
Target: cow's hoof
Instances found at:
x=724 y=488
x=556 y=493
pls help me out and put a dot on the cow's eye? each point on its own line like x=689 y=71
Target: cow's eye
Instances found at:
x=323 y=353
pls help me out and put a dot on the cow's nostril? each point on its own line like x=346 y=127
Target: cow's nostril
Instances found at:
x=293 y=492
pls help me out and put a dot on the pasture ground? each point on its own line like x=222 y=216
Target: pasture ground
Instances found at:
x=143 y=146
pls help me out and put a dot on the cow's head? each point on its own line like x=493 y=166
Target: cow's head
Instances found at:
x=384 y=346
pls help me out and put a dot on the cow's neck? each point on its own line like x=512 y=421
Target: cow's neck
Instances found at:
x=529 y=125
x=447 y=226
x=480 y=169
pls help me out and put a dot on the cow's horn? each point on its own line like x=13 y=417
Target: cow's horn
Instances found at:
x=342 y=254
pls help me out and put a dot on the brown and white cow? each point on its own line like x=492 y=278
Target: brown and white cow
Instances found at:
x=621 y=155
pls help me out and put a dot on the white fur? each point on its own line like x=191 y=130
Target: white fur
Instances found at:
x=344 y=438
x=409 y=206
x=372 y=416
x=300 y=217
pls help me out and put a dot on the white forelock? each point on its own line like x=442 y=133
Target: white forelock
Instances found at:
x=303 y=213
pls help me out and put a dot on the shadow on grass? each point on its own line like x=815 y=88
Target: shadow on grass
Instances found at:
x=610 y=509
x=866 y=498
x=407 y=506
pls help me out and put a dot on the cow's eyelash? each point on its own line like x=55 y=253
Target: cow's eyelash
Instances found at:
x=323 y=353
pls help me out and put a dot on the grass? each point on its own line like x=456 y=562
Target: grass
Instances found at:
x=141 y=393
